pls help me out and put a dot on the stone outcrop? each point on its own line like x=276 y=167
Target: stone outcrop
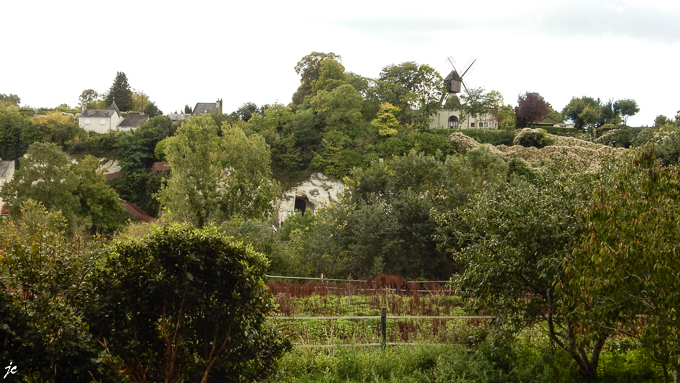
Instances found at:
x=316 y=192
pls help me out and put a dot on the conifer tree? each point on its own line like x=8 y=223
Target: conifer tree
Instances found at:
x=120 y=92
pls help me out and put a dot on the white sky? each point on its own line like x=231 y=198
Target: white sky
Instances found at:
x=187 y=52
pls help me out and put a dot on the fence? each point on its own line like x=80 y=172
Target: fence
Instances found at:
x=383 y=325
x=440 y=286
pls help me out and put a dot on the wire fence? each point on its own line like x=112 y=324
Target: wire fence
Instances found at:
x=349 y=286
x=383 y=326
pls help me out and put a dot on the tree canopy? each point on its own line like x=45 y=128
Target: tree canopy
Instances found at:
x=121 y=93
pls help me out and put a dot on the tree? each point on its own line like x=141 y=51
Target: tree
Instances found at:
x=78 y=191
x=98 y=201
x=476 y=102
x=417 y=90
x=339 y=107
x=10 y=99
x=514 y=241
x=45 y=177
x=246 y=111
x=152 y=110
x=308 y=68
x=554 y=116
x=531 y=108
x=627 y=265
x=13 y=138
x=121 y=93
x=42 y=299
x=197 y=313
x=662 y=120
x=386 y=122
x=627 y=107
x=88 y=95
x=590 y=115
x=216 y=178
x=573 y=110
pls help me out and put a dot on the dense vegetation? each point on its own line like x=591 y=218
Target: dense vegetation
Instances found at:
x=533 y=225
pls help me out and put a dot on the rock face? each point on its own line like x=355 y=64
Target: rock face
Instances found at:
x=316 y=192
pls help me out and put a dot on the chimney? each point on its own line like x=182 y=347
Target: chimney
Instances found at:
x=218 y=104
x=83 y=104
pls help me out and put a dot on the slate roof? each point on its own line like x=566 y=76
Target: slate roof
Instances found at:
x=134 y=120
x=97 y=113
x=205 y=107
x=113 y=108
x=178 y=116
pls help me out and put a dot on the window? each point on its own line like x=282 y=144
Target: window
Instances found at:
x=472 y=124
x=486 y=124
x=102 y=121
x=87 y=121
x=453 y=122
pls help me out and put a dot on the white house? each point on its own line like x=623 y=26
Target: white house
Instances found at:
x=452 y=119
x=100 y=121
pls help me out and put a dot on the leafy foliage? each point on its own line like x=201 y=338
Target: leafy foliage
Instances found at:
x=121 y=93
x=513 y=242
x=216 y=178
x=531 y=108
x=197 y=313
x=538 y=138
x=627 y=265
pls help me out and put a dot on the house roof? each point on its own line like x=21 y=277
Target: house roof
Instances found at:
x=178 y=116
x=97 y=113
x=134 y=120
x=113 y=108
x=161 y=166
x=205 y=107
x=135 y=211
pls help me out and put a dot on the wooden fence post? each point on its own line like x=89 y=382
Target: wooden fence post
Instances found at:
x=383 y=327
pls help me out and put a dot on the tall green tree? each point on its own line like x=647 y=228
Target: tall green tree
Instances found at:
x=309 y=68
x=572 y=111
x=215 y=178
x=513 y=242
x=120 y=92
x=627 y=108
x=417 y=90
x=627 y=265
x=81 y=193
x=44 y=176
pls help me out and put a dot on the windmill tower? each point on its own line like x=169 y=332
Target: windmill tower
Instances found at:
x=454 y=81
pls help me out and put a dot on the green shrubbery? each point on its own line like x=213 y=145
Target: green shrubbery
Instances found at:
x=538 y=138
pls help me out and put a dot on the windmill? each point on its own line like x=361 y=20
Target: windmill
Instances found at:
x=453 y=81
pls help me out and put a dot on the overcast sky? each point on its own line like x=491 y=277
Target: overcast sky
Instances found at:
x=187 y=52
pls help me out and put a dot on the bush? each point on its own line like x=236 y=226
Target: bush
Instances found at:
x=181 y=304
x=618 y=138
x=538 y=138
x=483 y=136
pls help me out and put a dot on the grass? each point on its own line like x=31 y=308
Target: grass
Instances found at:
x=438 y=350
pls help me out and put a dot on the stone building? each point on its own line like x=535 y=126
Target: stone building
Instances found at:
x=453 y=119
x=316 y=192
